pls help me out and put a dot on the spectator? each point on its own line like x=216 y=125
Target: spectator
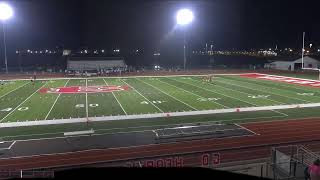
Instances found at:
x=314 y=170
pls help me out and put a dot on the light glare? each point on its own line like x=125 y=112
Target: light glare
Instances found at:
x=184 y=17
x=5 y=11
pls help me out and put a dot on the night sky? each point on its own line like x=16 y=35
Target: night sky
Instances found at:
x=149 y=24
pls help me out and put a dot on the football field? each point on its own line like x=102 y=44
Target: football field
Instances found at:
x=146 y=103
x=56 y=99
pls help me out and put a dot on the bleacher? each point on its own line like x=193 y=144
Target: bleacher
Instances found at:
x=95 y=65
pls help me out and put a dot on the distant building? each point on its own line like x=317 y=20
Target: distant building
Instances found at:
x=294 y=65
x=95 y=63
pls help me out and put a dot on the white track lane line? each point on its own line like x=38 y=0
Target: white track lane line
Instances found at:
x=246 y=129
x=116 y=98
x=55 y=102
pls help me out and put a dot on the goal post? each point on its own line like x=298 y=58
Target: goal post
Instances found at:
x=302 y=58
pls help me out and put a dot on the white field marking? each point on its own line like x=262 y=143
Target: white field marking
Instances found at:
x=143 y=96
x=117 y=148
x=294 y=86
x=75 y=78
x=14 y=90
x=218 y=93
x=241 y=127
x=239 y=91
x=218 y=130
x=158 y=115
x=157 y=135
x=209 y=123
x=236 y=119
x=23 y=102
x=55 y=102
x=169 y=95
x=12 y=144
x=193 y=93
x=116 y=99
x=269 y=91
x=250 y=94
x=87 y=110
x=280 y=112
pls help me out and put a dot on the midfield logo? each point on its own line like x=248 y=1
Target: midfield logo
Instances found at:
x=83 y=89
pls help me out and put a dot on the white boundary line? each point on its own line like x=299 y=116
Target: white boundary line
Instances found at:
x=143 y=96
x=215 y=92
x=246 y=129
x=22 y=102
x=45 y=79
x=116 y=99
x=137 y=127
x=270 y=92
x=308 y=89
x=240 y=91
x=157 y=115
x=14 y=90
x=193 y=93
x=248 y=94
x=169 y=95
x=55 y=102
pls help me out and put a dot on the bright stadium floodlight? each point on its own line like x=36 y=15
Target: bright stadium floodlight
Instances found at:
x=6 y=13
x=184 y=17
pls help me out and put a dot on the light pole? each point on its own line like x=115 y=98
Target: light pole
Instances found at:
x=5 y=14
x=184 y=17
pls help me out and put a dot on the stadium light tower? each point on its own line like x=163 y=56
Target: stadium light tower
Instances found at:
x=184 y=17
x=6 y=13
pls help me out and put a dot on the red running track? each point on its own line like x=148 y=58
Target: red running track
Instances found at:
x=273 y=133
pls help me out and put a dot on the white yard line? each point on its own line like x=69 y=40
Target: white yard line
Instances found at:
x=294 y=86
x=217 y=92
x=116 y=98
x=192 y=93
x=87 y=110
x=22 y=102
x=271 y=92
x=55 y=102
x=249 y=94
x=14 y=90
x=240 y=91
x=143 y=96
x=169 y=95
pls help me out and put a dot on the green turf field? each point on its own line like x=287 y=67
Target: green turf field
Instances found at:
x=21 y=101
